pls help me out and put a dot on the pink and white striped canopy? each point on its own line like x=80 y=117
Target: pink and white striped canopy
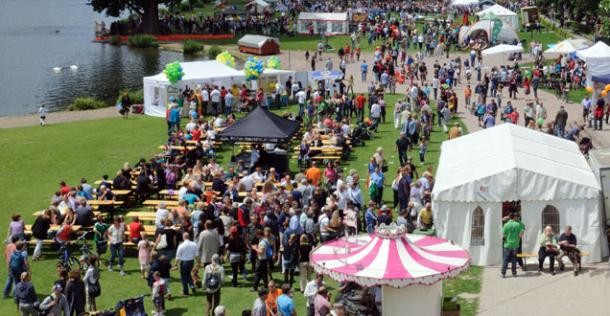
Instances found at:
x=396 y=261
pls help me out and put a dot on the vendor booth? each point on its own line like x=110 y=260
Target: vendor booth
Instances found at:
x=408 y=268
x=259 y=45
x=484 y=176
x=502 y=13
x=597 y=58
x=323 y=23
x=263 y=127
x=158 y=89
x=325 y=80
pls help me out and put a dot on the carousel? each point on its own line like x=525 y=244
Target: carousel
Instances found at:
x=408 y=268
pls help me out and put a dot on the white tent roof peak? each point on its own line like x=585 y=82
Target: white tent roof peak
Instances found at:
x=510 y=163
x=201 y=70
x=255 y=40
x=502 y=49
x=598 y=51
x=497 y=10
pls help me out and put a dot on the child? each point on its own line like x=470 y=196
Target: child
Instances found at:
x=144 y=249
x=422 y=150
x=42 y=113
x=158 y=294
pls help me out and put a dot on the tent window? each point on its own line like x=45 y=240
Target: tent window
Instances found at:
x=478 y=227
x=550 y=217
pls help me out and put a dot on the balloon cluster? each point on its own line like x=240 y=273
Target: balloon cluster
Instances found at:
x=253 y=68
x=173 y=72
x=605 y=92
x=274 y=63
x=226 y=58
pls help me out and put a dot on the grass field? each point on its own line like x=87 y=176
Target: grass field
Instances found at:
x=35 y=159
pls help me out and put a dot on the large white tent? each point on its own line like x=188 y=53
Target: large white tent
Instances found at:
x=597 y=58
x=547 y=174
x=157 y=89
x=464 y=3
x=507 y=33
x=504 y=14
x=565 y=47
x=336 y=23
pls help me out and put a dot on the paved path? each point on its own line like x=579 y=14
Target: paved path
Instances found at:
x=58 y=117
x=532 y=293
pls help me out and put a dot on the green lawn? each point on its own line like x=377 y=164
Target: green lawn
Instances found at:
x=35 y=159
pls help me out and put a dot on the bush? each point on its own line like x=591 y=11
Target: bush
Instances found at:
x=136 y=96
x=86 y=103
x=115 y=40
x=191 y=47
x=142 y=41
x=214 y=51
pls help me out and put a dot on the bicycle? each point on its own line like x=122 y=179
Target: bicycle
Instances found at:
x=68 y=261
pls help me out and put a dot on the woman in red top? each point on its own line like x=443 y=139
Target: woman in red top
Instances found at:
x=598 y=114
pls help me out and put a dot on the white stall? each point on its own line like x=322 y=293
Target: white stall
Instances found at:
x=323 y=23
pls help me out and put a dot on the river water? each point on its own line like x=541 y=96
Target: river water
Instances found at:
x=38 y=35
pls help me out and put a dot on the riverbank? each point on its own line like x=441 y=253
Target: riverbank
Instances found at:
x=57 y=117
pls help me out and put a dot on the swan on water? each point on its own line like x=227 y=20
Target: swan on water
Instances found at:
x=57 y=69
x=73 y=67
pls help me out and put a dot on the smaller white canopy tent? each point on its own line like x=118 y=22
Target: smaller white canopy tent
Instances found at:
x=504 y=14
x=566 y=47
x=157 y=89
x=597 y=58
x=260 y=5
x=323 y=23
x=548 y=175
x=502 y=49
x=507 y=33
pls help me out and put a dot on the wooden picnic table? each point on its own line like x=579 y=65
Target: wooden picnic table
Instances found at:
x=180 y=148
x=157 y=202
x=105 y=203
x=118 y=193
x=28 y=228
x=142 y=215
x=38 y=213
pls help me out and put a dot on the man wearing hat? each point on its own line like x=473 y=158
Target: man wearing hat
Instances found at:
x=56 y=302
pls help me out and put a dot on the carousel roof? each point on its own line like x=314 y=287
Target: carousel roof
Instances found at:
x=390 y=257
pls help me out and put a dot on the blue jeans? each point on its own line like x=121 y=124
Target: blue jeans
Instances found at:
x=10 y=279
x=509 y=255
x=364 y=76
x=117 y=250
x=301 y=109
x=185 y=276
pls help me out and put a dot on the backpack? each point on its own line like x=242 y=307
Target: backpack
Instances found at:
x=212 y=282
x=16 y=262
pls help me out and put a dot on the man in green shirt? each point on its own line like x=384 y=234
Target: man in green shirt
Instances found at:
x=100 y=235
x=512 y=233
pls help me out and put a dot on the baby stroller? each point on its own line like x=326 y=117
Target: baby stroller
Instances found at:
x=585 y=145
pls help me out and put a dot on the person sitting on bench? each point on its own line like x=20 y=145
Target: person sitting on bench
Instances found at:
x=548 y=248
x=567 y=244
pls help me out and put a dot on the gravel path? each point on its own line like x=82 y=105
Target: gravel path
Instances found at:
x=57 y=117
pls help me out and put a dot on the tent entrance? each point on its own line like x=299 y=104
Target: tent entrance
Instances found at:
x=509 y=207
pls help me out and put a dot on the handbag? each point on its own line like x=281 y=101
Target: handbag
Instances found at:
x=162 y=244
x=234 y=257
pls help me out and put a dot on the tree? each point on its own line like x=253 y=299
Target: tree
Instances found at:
x=147 y=9
x=604 y=15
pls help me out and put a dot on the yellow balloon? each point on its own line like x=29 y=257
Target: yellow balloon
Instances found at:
x=589 y=89
x=604 y=93
x=607 y=87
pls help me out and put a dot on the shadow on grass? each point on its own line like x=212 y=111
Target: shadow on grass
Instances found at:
x=176 y=311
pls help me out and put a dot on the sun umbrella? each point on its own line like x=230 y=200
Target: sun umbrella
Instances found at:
x=408 y=267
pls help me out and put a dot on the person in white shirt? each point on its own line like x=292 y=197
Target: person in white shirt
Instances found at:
x=190 y=126
x=42 y=113
x=301 y=96
x=205 y=96
x=116 y=233
x=185 y=259
x=311 y=289
x=215 y=98
x=161 y=215
x=375 y=115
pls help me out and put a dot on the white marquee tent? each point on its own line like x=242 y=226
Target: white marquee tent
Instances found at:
x=504 y=14
x=464 y=3
x=597 y=58
x=323 y=23
x=548 y=175
x=502 y=49
x=157 y=89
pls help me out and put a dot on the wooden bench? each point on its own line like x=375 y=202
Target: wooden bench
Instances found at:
x=155 y=203
x=143 y=216
x=105 y=203
x=526 y=255
x=28 y=229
